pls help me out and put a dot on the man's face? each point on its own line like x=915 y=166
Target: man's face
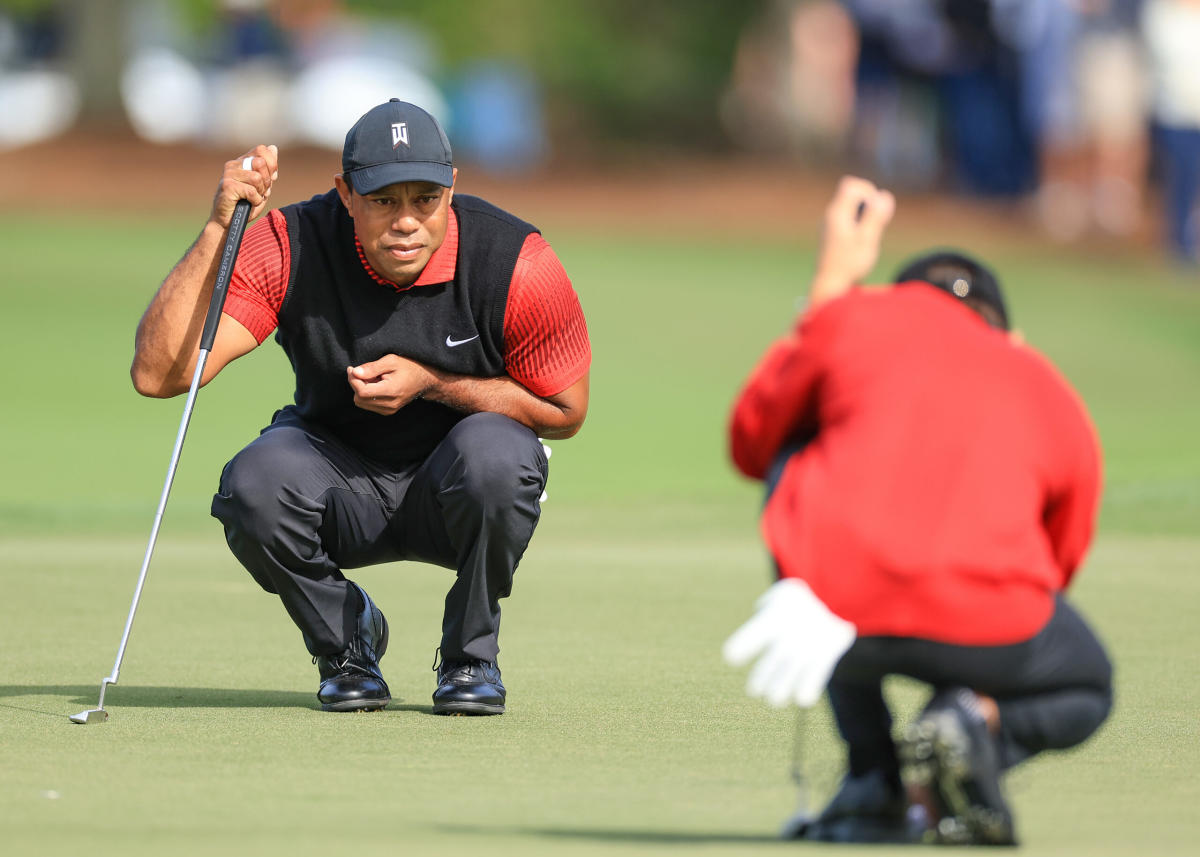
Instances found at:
x=399 y=226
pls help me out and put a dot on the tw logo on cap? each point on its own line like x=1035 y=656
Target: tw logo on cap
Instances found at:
x=399 y=134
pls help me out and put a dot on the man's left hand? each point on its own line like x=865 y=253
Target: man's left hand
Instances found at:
x=386 y=385
x=853 y=230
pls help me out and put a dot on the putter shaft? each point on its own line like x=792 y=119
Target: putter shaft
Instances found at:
x=85 y=716
x=233 y=241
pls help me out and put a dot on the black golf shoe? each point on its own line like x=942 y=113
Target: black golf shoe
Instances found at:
x=351 y=680
x=867 y=808
x=468 y=686
x=948 y=753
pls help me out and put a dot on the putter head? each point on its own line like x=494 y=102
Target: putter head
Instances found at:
x=92 y=715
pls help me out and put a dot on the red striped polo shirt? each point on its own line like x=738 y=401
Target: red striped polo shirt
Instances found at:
x=545 y=336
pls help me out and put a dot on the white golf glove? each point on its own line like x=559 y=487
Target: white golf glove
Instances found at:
x=800 y=642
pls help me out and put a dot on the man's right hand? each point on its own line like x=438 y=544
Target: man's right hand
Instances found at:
x=853 y=230
x=252 y=184
x=166 y=347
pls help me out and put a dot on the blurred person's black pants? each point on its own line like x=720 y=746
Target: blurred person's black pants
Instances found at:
x=1053 y=690
x=299 y=506
x=1179 y=150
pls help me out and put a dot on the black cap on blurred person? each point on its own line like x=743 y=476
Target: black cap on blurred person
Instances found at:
x=962 y=276
x=396 y=142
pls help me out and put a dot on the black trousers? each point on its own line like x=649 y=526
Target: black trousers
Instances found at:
x=1053 y=690
x=299 y=506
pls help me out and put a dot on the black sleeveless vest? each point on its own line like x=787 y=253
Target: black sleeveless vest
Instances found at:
x=335 y=315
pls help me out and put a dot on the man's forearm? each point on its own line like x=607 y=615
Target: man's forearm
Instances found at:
x=769 y=408
x=169 y=331
x=503 y=395
x=168 y=335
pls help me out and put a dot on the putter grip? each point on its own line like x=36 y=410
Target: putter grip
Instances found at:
x=233 y=242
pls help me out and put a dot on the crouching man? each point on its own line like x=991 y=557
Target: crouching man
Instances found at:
x=932 y=488
x=434 y=339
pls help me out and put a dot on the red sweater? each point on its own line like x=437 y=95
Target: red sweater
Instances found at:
x=953 y=483
x=545 y=335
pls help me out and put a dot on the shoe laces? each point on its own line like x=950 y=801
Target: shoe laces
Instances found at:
x=968 y=702
x=351 y=659
x=446 y=667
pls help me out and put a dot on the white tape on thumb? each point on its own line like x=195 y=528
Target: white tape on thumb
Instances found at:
x=248 y=162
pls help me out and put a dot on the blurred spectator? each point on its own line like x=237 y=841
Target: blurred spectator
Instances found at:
x=994 y=97
x=1111 y=70
x=1172 y=34
x=1083 y=85
x=498 y=121
x=248 y=76
x=249 y=32
x=939 y=97
x=792 y=87
x=304 y=71
x=224 y=90
x=344 y=65
x=897 y=123
x=281 y=70
x=164 y=95
x=980 y=85
x=38 y=99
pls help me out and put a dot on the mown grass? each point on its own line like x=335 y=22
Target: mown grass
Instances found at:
x=625 y=732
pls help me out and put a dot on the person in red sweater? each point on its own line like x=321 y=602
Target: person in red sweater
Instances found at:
x=434 y=339
x=933 y=485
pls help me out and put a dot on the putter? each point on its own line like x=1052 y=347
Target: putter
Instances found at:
x=805 y=813
x=233 y=241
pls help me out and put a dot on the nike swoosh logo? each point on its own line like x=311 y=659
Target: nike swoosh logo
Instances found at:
x=451 y=343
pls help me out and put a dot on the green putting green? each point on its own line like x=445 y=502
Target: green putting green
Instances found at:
x=625 y=732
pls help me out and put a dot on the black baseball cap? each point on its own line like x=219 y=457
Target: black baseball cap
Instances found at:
x=396 y=142
x=962 y=276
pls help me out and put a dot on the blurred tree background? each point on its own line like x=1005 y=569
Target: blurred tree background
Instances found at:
x=619 y=72
x=1085 y=110
x=611 y=77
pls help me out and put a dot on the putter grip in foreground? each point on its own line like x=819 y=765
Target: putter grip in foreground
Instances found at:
x=233 y=242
